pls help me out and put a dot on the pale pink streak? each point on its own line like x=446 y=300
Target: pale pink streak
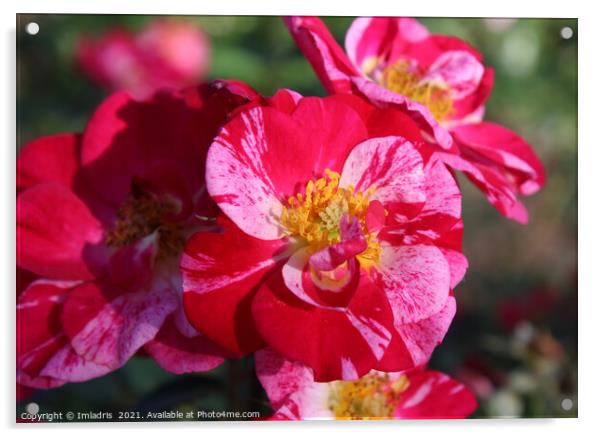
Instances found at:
x=416 y=280
x=390 y=165
x=238 y=180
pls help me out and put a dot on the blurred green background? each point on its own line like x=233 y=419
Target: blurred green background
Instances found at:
x=514 y=339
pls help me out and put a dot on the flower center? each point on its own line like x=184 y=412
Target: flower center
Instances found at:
x=403 y=78
x=374 y=396
x=140 y=215
x=315 y=215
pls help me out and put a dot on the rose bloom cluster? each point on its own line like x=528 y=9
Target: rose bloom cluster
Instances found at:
x=324 y=235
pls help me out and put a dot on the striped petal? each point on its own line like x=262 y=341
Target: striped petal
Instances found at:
x=178 y=353
x=39 y=332
x=327 y=58
x=458 y=69
x=503 y=151
x=391 y=166
x=107 y=326
x=220 y=273
x=290 y=387
x=335 y=343
x=416 y=280
x=371 y=38
x=434 y=395
x=417 y=394
x=412 y=344
x=250 y=172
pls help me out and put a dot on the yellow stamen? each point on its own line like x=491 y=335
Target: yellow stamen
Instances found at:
x=401 y=78
x=315 y=216
x=139 y=216
x=371 y=256
x=374 y=396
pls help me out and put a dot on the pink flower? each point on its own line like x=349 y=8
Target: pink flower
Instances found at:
x=441 y=82
x=165 y=54
x=339 y=241
x=416 y=394
x=102 y=218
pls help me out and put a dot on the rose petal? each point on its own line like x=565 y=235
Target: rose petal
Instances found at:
x=53 y=158
x=327 y=58
x=372 y=37
x=249 y=167
x=61 y=243
x=505 y=152
x=291 y=388
x=422 y=337
x=172 y=130
x=336 y=344
x=421 y=115
x=179 y=354
x=434 y=395
x=391 y=166
x=416 y=280
x=493 y=184
x=220 y=273
x=300 y=281
x=39 y=330
x=107 y=326
x=457 y=69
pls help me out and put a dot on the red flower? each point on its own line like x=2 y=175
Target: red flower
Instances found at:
x=102 y=218
x=166 y=53
x=531 y=306
x=339 y=241
x=416 y=394
x=441 y=82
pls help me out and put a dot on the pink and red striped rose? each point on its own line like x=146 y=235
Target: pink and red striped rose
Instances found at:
x=339 y=240
x=415 y=394
x=439 y=81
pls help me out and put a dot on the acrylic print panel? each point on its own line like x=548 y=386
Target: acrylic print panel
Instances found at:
x=253 y=218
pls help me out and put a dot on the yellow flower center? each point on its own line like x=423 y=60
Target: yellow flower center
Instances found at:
x=372 y=397
x=315 y=215
x=140 y=215
x=404 y=79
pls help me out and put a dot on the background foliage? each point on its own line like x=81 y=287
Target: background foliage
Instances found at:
x=514 y=339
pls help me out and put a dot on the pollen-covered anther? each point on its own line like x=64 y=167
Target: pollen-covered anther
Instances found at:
x=374 y=396
x=403 y=78
x=140 y=215
x=315 y=215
